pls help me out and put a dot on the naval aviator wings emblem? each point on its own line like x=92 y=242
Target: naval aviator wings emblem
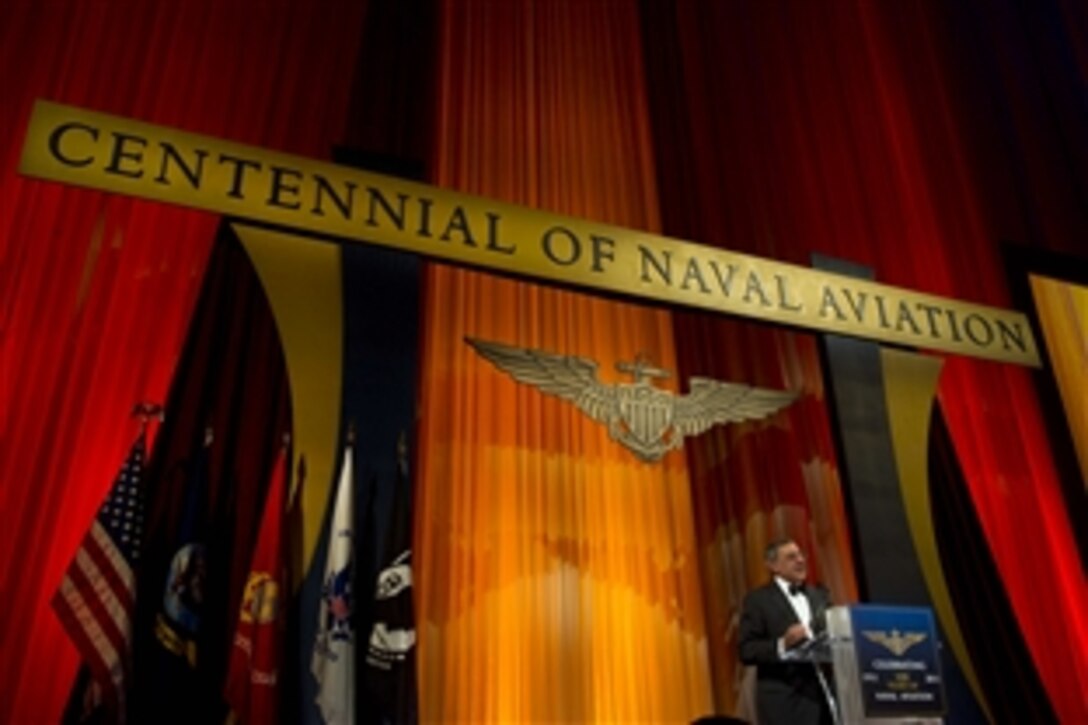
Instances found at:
x=895 y=641
x=647 y=420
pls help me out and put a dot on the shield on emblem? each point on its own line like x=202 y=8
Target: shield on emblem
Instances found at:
x=646 y=413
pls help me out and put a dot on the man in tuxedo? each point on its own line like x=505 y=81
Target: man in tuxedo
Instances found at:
x=776 y=620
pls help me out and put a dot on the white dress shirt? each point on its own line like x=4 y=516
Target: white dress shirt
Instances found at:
x=801 y=607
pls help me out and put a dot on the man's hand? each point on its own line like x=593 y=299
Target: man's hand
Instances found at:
x=794 y=636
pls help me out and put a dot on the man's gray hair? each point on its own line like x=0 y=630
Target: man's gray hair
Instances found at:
x=771 y=552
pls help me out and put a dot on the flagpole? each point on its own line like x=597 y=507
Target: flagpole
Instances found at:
x=402 y=450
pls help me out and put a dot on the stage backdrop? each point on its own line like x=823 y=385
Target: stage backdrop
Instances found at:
x=910 y=137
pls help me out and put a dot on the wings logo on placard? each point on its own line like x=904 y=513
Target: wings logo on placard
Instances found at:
x=645 y=419
x=895 y=641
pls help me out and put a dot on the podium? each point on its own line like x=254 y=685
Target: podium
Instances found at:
x=886 y=665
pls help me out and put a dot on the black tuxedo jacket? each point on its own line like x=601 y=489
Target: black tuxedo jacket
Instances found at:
x=786 y=692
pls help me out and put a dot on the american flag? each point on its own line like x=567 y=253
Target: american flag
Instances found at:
x=96 y=598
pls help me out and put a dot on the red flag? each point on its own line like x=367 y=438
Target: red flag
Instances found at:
x=96 y=597
x=256 y=655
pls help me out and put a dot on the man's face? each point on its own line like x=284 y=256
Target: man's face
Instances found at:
x=789 y=563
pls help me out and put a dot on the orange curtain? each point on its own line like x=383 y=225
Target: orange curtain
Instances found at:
x=559 y=574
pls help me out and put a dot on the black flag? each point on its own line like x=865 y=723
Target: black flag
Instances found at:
x=390 y=669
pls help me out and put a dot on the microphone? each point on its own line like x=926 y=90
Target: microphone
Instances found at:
x=818 y=625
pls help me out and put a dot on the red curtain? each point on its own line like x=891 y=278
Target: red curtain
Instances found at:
x=96 y=290
x=912 y=138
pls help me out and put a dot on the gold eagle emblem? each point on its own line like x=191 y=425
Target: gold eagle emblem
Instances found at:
x=895 y=641
x=645 y=419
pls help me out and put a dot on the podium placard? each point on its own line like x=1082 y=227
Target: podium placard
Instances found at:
x=898 y=662
x=887 y=664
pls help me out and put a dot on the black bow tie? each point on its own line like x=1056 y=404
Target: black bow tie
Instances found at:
x=796 y=589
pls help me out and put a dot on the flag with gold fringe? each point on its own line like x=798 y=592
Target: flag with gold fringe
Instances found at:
x=253 y=677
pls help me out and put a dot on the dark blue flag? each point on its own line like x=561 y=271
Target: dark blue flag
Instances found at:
x=181 y=607
x=178 y=624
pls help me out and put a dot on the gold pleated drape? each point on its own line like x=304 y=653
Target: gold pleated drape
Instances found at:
x=1063 y=315
x=561 y=573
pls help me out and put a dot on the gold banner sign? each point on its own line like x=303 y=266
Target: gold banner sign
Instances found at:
x=152 y=162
